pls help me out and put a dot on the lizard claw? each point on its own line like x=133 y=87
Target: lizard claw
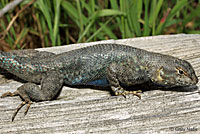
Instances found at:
x=125 y=93
x=28 y=106
x=17 y=110
x=20 y=106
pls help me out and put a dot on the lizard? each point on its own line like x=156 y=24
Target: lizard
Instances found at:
x=112 y=65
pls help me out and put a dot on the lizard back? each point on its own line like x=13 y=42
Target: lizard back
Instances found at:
x=87 y=66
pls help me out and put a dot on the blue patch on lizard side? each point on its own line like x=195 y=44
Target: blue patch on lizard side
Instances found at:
x=100 y=82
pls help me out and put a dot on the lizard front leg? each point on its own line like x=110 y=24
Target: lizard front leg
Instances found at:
x=51 y=86
x=127 y=74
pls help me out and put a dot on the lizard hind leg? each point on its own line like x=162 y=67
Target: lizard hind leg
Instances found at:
x=51 y=85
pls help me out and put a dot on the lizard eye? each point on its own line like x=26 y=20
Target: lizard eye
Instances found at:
x=181 y=71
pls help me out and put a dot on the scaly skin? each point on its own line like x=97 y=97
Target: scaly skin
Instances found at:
x=111 y=65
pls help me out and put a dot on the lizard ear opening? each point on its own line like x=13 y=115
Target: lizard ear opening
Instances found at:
x=159 y=74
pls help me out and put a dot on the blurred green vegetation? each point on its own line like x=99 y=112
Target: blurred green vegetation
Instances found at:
x=59 y=22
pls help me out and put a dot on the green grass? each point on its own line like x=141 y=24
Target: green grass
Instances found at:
x=59 y=22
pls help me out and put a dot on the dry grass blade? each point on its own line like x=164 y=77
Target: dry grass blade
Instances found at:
x=2 y=35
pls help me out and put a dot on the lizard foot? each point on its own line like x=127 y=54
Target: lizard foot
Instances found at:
x=124 y=93
x=26 y=101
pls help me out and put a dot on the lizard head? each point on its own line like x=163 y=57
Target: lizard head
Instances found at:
x=173 y=73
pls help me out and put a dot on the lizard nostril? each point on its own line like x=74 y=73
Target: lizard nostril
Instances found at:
x=195 y=79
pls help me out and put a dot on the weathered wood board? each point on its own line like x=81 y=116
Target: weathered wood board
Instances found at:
x=96 y=111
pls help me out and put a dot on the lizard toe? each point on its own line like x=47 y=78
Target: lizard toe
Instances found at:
x=20 y=106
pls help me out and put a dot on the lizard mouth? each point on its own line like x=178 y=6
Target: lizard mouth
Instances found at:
x=168 y=86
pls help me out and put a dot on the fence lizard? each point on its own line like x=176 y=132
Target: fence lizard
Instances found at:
x=111 y=65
